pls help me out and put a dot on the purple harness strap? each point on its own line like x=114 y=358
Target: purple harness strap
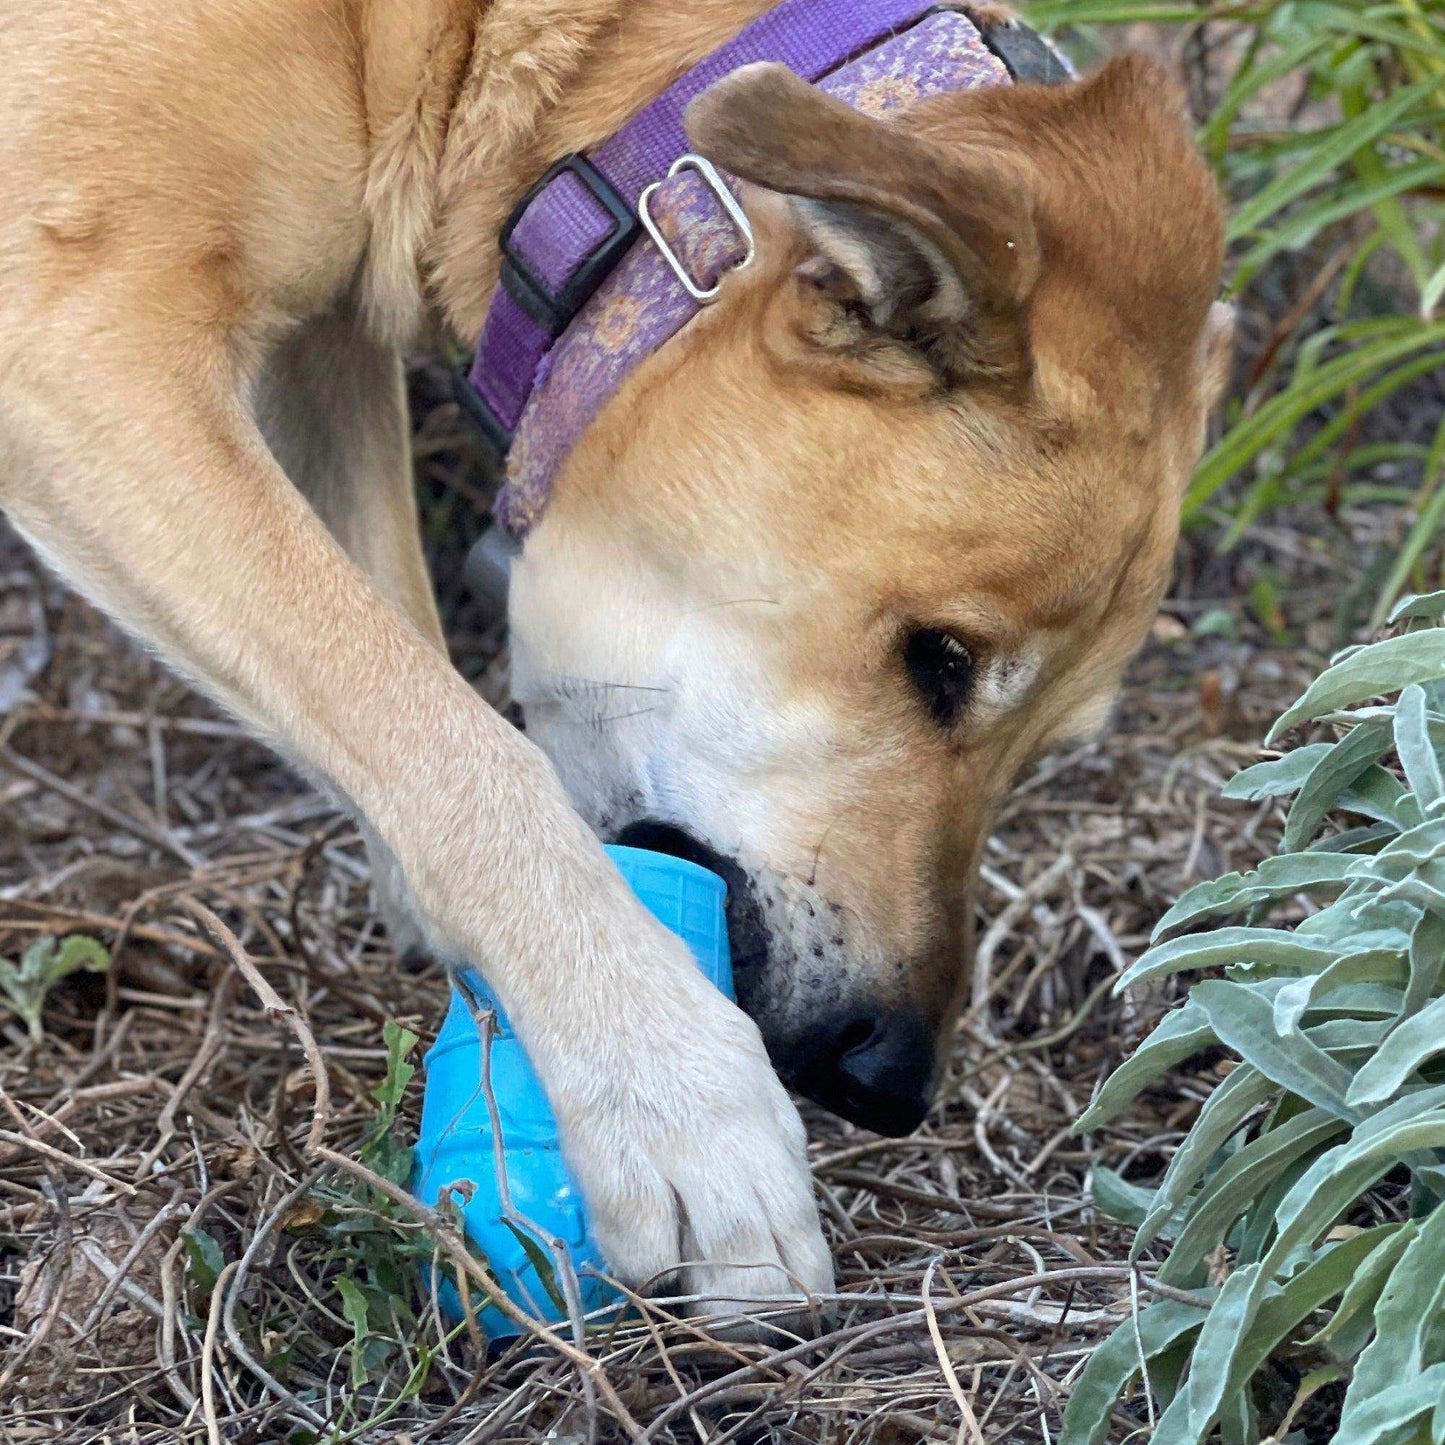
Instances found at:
x=583 y=302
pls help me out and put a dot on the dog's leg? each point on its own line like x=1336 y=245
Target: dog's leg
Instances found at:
x=331 y=403
x=153 y=490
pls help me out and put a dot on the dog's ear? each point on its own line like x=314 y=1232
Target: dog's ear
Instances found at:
x=911 y=243
x=1218 y=352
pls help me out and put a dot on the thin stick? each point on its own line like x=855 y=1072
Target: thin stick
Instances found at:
x=1139 y=1345
x=485 y=1019
x=158 y=838
x=969 y=1422
x=39 y=1146
x=275 y=1007
x=233 y=1336
x=168 y=1210
x=208 y=1355
x=167 y=1350
x=844 y=1341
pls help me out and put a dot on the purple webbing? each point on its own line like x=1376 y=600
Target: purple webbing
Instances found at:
x=641 y=304
x=564 y=225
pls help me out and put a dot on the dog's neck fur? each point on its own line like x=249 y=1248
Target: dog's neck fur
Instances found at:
x=468 y=101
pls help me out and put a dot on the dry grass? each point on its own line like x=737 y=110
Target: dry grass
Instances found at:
x=160 y=1128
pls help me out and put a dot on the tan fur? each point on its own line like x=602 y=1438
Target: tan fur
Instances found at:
x=217 y=221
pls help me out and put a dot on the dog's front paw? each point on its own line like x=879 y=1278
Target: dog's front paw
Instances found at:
x=692 y=1159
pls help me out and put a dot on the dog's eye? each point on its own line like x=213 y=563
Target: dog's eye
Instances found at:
x=942 y=670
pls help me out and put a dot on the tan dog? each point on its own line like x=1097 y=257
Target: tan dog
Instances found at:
x=883 y=522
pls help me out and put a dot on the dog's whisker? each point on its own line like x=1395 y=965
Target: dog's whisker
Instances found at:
x=621 y=716
x=818 y=851
x=812 y=876
x=735 y=602
x=572 y=681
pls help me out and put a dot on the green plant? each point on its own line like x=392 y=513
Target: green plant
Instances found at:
x=380 y=1262
x=385 y=1150
x=374 y=1264
x=1301 y=1209
x=1328 y=133
x=24 y=985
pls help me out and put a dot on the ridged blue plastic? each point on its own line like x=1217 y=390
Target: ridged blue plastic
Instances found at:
x=457 y=1142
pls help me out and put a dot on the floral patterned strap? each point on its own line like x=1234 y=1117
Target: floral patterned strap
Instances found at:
x=546 y=395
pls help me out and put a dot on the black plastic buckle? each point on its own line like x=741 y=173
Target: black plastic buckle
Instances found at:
x=475 y=407
x=554 y=311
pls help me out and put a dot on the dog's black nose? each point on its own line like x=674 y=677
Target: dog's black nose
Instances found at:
x=873 y=1069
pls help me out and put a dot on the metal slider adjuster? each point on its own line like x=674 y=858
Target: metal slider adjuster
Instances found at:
x=735 y=213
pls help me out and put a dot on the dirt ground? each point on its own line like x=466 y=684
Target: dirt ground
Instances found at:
x=155 y=1136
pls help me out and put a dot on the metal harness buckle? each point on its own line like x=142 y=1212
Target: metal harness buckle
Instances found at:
x=703 y=295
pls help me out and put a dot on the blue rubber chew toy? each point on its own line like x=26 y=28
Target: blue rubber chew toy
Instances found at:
x=458 y=1142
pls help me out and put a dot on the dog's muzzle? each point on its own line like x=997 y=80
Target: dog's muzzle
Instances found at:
x=872 y=1066
x=873 y=1069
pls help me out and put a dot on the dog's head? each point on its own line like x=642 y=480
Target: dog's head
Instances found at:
x=878 y=526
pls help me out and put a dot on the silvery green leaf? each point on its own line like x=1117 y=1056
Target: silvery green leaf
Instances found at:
x=1365 y=839
x=1179 y=1035
x=1371 y=966
x=1416 y=846
x=1091 y=1402
x=1363 y=1013
x=1346 y=760
x=1427 y=954
x=1415 y=750
x=1351 y=1034
x=1236 y=1184
x=1406 y=1308
x=1118 y=1197
x=1380 y=795
x=1382 y=667
x=1359 y=918
x=1423 y=886
x=1350 y=1326
x=1404 y=1314
x=1275 y=878
x=1330 y=1272
x=1414 y=1041
x=1238 y=1419
x=1350 y=1018
x=1278 y=777
x=1326 y=1188
x=1195 y=1407
x=1274 y=949
x=1244 y=1089
x=1382 y=1416
x=1340 y=1175
x=1428 y=605
x=1168 y=1368
x=1255 y=1233
x=1244 y=1022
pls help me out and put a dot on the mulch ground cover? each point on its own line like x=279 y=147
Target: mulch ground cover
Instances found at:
x=179 y=1262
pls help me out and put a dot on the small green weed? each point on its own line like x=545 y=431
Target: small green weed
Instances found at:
x=386 y=1150
x=371 y=1263
x=379 y=1276
x=24 y=985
